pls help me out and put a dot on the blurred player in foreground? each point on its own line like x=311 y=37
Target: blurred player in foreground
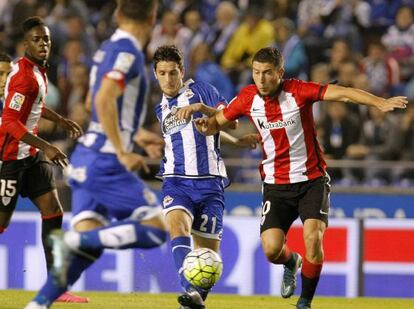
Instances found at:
x=295 y=182
x=193 y=170
x=112 y=207
x=24 y=168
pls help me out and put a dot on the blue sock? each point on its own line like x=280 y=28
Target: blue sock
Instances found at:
x=180 y=247
x=122 y=235
x=51 y=290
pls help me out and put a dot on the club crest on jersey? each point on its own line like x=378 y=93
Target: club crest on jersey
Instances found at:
x=167 y=200
x=171 y=124
x=188 y=93
x=17 y=101
x=6 y=200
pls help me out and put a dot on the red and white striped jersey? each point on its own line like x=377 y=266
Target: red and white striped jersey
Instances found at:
x=291 y=152
x=25 y=92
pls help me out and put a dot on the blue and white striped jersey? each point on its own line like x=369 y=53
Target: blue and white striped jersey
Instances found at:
x=120 y=58
x=188 y=153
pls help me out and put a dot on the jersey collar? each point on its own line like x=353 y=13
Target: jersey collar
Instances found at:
x=42 y=69
x=122 y=34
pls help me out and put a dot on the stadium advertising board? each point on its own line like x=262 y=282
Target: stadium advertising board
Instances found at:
x=246 y=270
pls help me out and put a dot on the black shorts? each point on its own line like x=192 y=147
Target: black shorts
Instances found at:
x=30 y=177
x=283 y=204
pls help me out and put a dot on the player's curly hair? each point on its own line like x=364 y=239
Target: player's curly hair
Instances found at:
x=32 y=22
x=139 y=10
x=168 y=53
x=270 y=55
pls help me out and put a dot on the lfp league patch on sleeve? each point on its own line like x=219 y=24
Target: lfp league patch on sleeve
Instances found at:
x=17 y=101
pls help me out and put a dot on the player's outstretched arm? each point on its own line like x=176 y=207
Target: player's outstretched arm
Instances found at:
x=186 y=112
x=74 y=130
x=354 y=95
x=212 y=125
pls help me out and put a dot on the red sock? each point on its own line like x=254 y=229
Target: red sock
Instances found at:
x=310 y=278
x=284 y=257
x=311 y=270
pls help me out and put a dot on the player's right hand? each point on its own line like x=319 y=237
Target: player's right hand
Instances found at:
x=55 y=155
x=133 y=161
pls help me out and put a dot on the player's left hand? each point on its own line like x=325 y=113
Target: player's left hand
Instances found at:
x=186 y=111
x=248 y=141
x=74 y=130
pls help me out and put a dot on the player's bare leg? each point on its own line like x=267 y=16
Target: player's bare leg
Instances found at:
x=313 y=231
x=51 y=211
x=277 y=252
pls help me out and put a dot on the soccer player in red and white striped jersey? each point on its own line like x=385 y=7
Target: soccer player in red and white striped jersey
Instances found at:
x=24 y=169
x=295 y=182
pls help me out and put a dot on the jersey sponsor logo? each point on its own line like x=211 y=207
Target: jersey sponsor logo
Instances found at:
x=167 y=200
x=171 y=124
x=280 y=124
x=124 y=62
x=17 y=101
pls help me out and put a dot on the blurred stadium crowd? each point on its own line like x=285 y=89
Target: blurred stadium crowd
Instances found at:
x=368 y=44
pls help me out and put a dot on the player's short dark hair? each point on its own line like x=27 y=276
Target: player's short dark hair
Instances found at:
x=4 y=57
x=168 y=53
x=139 y=10
x=32 y=22
x=270 y=55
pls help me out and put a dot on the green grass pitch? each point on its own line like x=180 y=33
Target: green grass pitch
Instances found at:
x=15 y=299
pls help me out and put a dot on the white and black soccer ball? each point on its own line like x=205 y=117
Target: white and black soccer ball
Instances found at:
x=203 y=268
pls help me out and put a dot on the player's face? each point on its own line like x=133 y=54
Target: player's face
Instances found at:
x=37 y=43
x=5 y=68
x=266 y=77
x=170 y=77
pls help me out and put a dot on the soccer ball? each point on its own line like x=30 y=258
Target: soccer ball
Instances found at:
x=202 y=268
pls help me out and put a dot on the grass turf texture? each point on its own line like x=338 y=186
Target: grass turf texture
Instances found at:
x=16 y=299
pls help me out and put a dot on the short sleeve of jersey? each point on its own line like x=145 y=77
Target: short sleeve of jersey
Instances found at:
x=310 y=92
x=210 y=95
x=237 y=106
x=121 y=65
x=20 y=94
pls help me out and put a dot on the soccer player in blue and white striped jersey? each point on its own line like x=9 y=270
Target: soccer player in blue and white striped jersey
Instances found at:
x=193 y=170
x=112 y=207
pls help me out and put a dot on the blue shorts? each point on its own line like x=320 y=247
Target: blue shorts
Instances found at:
x=102 y=189
x=202 y=199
